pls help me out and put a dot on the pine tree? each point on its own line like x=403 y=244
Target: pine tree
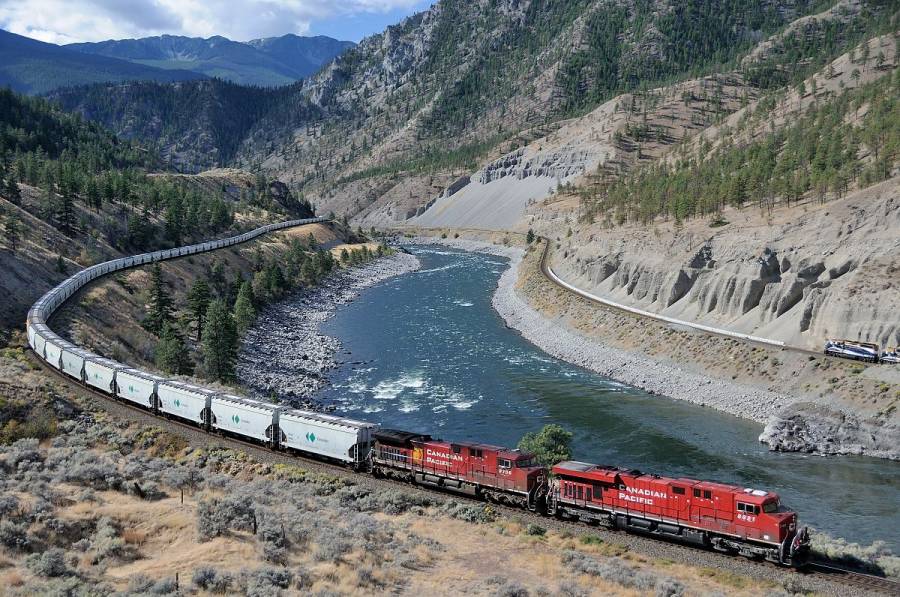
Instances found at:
x=92 y=194
x=530 y=237
x=12 y=192
x=159 y=310
x=171 y=354
x=220 y=341
x=61 y=265
x=345 y=257
x=244 y=310
x=198 y=299
x=13 y=232
x=65 y=212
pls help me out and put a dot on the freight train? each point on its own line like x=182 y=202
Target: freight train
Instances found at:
x=861 y=351
x=724 y=517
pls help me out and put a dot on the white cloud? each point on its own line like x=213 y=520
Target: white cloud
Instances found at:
x=66 y=21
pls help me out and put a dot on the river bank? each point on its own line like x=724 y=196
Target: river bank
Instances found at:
x=720 y=373
x=284 y=355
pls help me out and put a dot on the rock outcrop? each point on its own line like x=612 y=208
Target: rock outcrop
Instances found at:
x=813 y=428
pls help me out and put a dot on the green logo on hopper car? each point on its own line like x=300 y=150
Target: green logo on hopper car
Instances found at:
x=310 y=437
x=131 y=389
x=236 y=419
x=177 y=403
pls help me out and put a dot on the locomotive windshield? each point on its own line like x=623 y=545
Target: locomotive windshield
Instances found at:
x=525 y=463
x=770 y=507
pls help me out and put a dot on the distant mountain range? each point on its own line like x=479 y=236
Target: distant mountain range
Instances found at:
x=267 y=62
x=34 y=67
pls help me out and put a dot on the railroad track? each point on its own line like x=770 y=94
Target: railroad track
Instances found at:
x=548 y=273
x=828 y=578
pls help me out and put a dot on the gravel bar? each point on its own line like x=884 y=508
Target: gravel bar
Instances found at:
x=284 y=354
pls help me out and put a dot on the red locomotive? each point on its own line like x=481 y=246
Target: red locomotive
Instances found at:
x=728 y=518
x=750 y=522
x=498 y=474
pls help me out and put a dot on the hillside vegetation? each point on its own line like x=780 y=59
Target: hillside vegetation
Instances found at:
x=72 y=194
x=394 y=121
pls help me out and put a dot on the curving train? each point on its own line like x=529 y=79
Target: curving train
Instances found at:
x=727 y=518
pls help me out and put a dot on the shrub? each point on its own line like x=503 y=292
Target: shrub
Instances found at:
x=13 y=535
x=331 y=547
x=51 y=563
x=469 y=512
x=9 y=505
x=535 y=530
x=613 y=570
x=265 y=581
x=207 y=577
x=511 y=589
x=669 y=587
x=216 y=517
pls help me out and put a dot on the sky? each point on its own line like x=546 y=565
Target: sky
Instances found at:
x=69 y=21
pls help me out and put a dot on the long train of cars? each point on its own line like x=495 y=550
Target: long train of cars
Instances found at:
x=724 y=517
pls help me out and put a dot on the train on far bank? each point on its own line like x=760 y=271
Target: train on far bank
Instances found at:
x=749 y=522
x=862 y=351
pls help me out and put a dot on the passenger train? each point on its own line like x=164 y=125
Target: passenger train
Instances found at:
x=861 y=351
x=727 y=518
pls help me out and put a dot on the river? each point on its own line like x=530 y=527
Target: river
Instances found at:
x=427 y=352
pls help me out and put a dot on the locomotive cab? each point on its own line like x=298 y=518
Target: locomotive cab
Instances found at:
x=775 y=523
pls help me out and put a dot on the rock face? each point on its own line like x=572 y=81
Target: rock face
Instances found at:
x=812 y=428
x=814 y=272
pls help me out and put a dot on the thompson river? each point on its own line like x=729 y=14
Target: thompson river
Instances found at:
x=428 y=353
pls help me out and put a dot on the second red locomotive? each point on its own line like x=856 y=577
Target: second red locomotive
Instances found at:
x=498 y=474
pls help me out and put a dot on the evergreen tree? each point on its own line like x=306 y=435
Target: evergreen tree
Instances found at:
x=530 y=237
x=13 y=231
x=65 y=212
x=12 y=192
x=61 y=265
x=159 y=308
x=171 y=354
x=244 y=310
x=345 y=257
x=220 y=342
x=92 y=194
x=198 y=299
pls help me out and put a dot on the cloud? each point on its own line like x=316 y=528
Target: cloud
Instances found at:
x=66 y=21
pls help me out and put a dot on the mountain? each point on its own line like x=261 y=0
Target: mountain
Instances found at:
x=193 y=125
x=478 y=92
x=34 y=67
x=264 y=62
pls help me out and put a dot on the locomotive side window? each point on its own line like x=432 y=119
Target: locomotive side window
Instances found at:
x=678 y=490
x=456 y=449
x=504 y=463
x=696 y=493
x=580 y=493
x=748 y=508
x=476 y=453
x=707 y=494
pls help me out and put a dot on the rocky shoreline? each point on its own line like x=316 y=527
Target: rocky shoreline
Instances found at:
x=284 y=355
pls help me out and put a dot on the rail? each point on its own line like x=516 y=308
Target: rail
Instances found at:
x=549 y=273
